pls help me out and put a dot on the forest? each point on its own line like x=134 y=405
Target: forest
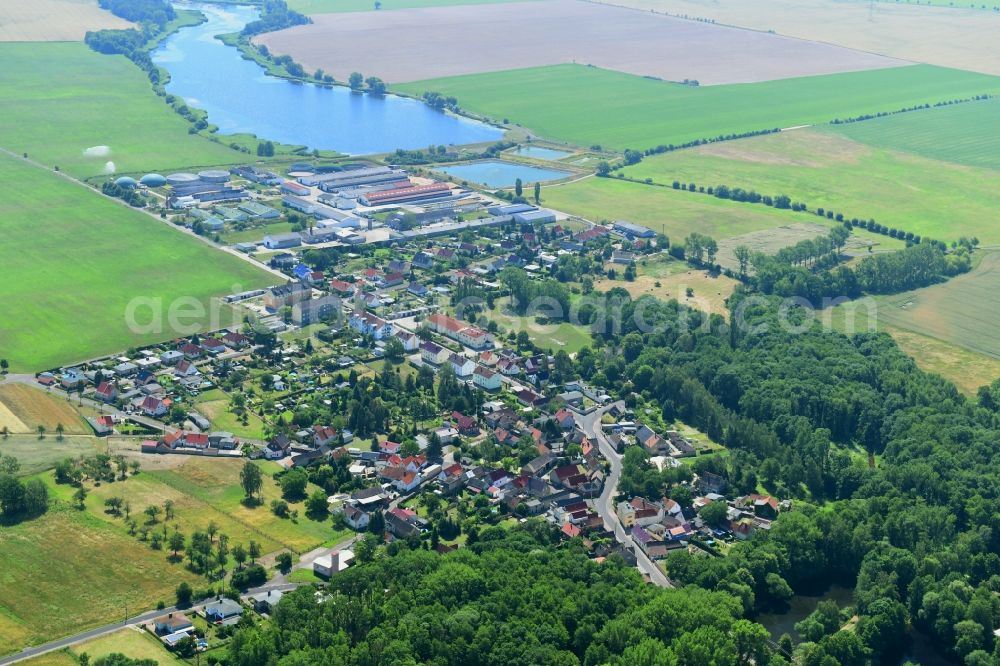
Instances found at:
x=893 y=471
x=512 y=598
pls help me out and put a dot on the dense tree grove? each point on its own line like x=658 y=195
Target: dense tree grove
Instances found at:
x=919 y=532
x=510 y=599
x=274 y=15
x=20 y=500
x=141 y=11
x=809 y=270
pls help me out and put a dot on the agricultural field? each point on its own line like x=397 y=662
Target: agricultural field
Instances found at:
x=663 y=209
x=54 y=20
x=24 y=408
x=459 y=40
x=946 y=36
x=54 y=564
x=214 y=406
x=340 y=6
x=966 y=134
x=66 y=299
x=931 y=198
x=90 y=114
x=572 y=103
x=945 y=327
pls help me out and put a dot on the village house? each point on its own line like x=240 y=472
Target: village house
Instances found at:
x=486 y=379
x=462 y=366
x=433 y=353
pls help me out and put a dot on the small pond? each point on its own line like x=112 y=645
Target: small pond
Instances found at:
x=497 y=173
x=539 y=153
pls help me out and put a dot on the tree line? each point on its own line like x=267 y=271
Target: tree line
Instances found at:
x=917 y=107
x=274 y=15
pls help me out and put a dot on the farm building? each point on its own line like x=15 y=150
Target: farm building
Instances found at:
x=634 y=230
x=331 y=182
x=259 y=211
x=213 y=176
x=540 y=215
x=407 y=194
x=294 y=188
x=281 y=241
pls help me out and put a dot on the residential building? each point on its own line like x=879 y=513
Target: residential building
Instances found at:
x=366 y=323
x=284 y=295
x=486 y=379
x=466 y=334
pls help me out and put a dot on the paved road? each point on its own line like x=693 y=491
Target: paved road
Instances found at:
x=591 y=426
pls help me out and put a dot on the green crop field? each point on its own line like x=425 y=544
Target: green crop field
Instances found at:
x=590 y=106
x=962 y=133
x=59 y=99
x=72 y=261
x=68 y=571
x=928 y=197
x=663 y=209
x=332 y=6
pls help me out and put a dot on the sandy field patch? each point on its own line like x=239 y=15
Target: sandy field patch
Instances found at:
x=947 y=36
x=414 y=44
x=10 y=421
x=53 y=20
x=34 y=407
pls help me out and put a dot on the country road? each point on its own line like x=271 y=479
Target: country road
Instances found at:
x=591 y=426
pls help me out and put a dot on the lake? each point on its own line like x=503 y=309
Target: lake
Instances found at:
x=497 y=173
x=240 y=97
x=539 y=153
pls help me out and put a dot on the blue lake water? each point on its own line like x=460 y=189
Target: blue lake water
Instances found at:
x=497 y=173
x=539 y=153
x=240 y=97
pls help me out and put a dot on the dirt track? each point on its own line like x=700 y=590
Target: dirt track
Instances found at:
x=414 y=44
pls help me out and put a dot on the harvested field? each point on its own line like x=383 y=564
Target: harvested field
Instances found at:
x=33 y=407
x=458 y=40
x=54 y=20
x=948 y=36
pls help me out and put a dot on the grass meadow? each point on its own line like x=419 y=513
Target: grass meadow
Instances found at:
x=132 y=642
x=214 y=405
x=206 y=490
x=962 y=133
x=68 y=571
x=61 y=98
x=72 y=261
x=663 y=209
x=945 y=327
x=37 y=455
x=573 y=103
x=929 y=197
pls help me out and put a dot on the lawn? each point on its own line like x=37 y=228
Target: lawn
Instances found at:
x=214 y=405
x=131 y=642
x=60 y=99
x=962 y=133
x=255 y=234
x=33 y=407
x=37 y=455
x=553 y=337
x=332 y=6
x=74 y=261
x=663 y=209
x=68 y=571
x=589 y=106
x=823 y=169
